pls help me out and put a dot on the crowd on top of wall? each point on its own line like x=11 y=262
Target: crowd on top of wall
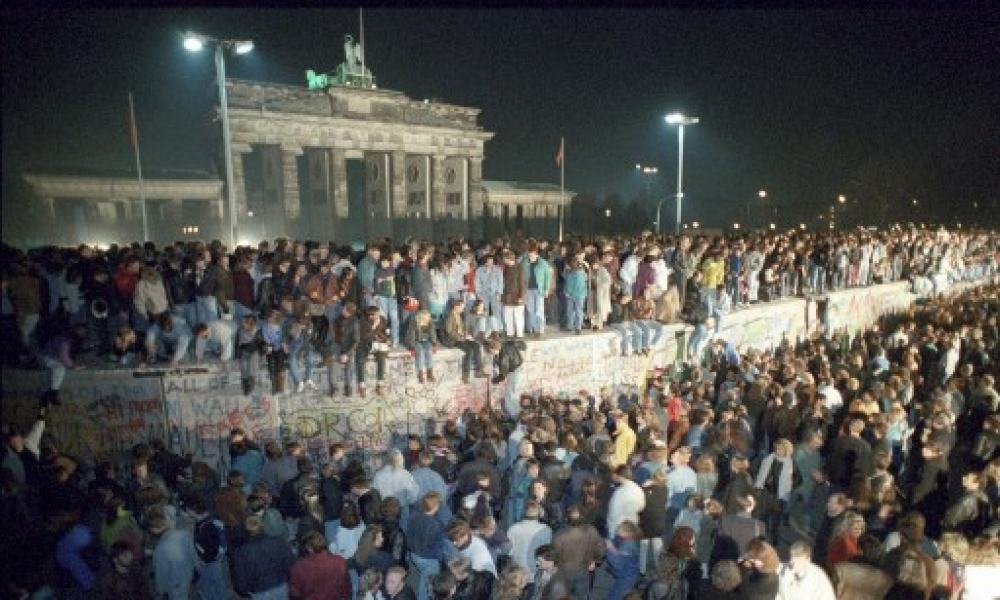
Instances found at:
x=294 y=305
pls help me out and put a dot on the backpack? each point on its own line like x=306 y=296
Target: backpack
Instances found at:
x=208 y=540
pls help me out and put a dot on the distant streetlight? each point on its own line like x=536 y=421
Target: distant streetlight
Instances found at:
x=773 y=226
x=761 y=194
x=842 y=198
x=802 y=226
x=696 y=225
x=736 y=225
x=648 y=172
x=194 y=42
x=607 y=213
x=680 y=120
x=915 y=202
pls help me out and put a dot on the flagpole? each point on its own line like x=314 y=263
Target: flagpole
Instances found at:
x=134 y=136
x=361 y=27
x=562 y=185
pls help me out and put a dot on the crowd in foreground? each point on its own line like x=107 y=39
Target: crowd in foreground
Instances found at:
x=295 y=305
x=849 y=468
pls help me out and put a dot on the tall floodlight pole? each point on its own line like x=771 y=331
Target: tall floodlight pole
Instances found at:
x=194 y=43
x=680 y=120
x=648 y=172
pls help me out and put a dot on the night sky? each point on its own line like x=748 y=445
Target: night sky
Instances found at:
x=883 y=107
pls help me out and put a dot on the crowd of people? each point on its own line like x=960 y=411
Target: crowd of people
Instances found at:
x=295 y=305
x=847 y=467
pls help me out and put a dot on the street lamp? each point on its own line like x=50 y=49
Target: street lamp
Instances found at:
x=648 y=172
x=680 y=121
x=194 y=42
x=760 y=194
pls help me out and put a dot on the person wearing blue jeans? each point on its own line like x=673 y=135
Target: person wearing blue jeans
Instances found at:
x=630 y=334
x=300 y=364
x=488 y=283
x=539 y=276
x=385 y=296
x=421 y=338
x=170 y=334
x=575 y=290
x=217 y=336
x=348 y=337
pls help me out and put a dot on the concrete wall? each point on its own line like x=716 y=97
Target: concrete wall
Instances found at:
x=104 y=412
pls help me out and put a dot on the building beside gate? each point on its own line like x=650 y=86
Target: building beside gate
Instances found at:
x=343 y=163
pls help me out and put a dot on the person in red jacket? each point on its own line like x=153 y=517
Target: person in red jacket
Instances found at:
x=127 y=276
x=319 y=575
x=844 y=545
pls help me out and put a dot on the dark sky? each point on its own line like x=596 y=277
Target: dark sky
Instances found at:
x=881 y=106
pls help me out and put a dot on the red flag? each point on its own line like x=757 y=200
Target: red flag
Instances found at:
x=561 y=155
x=133 y=130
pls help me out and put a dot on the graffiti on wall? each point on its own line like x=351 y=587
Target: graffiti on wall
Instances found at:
x=856 y=309
x=101 y=416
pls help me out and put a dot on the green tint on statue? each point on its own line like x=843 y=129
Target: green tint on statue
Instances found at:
x=350 y=73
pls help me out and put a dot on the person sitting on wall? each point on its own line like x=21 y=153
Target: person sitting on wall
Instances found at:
x=454 y=335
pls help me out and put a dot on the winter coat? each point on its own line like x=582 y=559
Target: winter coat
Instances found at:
x=422 y=285
x=626 y=503
x=489 y=282
x=262 y=563
x=543 y=274
x=398 y=483
x=576 y=284
x=515 y=286
x=653 y=518
x=418 y=335
x=509 y=359
x=150 y=297
x=575 y=547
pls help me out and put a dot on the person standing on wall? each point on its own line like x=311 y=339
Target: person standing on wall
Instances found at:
x=489 y=287
x=514 y=295
x=539 y=275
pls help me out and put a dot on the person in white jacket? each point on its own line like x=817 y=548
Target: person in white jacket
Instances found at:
x=394 y=480
x=800 y=578
x=472 y=547
x=150 y=297
x=626 y=502
x=527 y=536
x=629 y=271
x=661 y=276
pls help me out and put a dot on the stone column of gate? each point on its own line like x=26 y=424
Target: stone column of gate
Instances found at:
x=290 y=186
x=239 y=186
x=338 y=186
x=477 y=220
x=397 y=187
x=49 y=205
x=438 y=204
